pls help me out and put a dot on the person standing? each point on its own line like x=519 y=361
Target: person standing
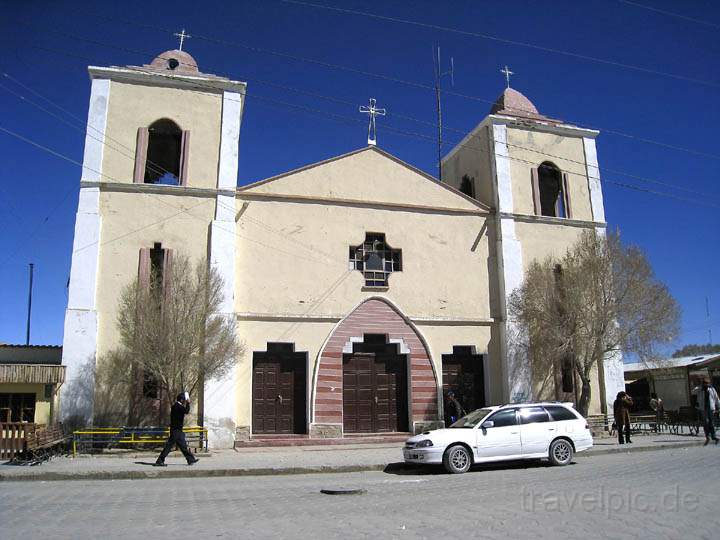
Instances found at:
x=709 y=404
x=453 y=409
x=621 y=410
x=656 y=404
x=180 y=408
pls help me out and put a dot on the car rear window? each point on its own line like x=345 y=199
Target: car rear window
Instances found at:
x=561 y=413
x=531 y=415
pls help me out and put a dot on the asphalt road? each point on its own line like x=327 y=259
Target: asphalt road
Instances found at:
x=664 y=494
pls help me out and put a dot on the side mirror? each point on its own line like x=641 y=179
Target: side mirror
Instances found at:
x=487 y=424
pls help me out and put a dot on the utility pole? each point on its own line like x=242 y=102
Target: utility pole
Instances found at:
x=27 y=333
x=707 y=314
x=438 y=77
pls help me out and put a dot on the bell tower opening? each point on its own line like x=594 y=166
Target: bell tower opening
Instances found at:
x=163 y=153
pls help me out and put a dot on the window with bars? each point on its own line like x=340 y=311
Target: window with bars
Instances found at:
x=375 y=259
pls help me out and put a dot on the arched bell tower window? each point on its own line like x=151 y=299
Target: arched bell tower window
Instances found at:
x=550 y=191
x=162 y=154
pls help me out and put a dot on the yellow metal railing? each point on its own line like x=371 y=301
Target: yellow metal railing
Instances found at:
x=131 y=436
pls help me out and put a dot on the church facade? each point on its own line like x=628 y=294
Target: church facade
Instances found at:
x=362 y=288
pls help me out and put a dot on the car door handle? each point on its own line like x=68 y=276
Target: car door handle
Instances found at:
x=551 y=429
x=514 y=432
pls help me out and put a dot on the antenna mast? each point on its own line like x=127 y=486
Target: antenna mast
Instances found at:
x=438 y=77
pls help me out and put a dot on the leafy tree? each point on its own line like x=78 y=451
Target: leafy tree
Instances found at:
x=599 y=299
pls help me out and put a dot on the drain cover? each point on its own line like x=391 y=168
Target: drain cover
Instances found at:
x=343 y=491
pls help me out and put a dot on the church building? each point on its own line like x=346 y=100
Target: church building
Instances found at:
x=362 y=288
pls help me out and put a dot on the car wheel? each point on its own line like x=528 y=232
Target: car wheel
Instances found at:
x=457 y=459
x=561 y=452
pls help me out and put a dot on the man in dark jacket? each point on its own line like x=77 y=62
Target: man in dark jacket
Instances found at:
x=453 y=409
x=180 y=408
x=621 y=408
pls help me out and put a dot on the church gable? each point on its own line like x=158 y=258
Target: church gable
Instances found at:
x=368 y=175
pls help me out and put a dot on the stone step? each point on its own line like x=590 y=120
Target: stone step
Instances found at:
x=305 y=440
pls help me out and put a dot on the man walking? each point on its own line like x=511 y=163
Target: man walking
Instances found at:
x=709 y=403
x=180 y=408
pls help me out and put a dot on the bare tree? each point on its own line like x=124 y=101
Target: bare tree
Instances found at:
x=600 y=298
x=171 y=332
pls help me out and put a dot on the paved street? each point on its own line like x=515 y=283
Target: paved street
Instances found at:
x=664 y=494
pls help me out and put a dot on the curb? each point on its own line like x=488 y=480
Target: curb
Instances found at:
x=271 y=471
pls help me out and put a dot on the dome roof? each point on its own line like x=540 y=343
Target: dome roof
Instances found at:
x=176 y=61
x=513 y=103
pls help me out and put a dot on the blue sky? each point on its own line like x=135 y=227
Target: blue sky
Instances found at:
x=47 y=46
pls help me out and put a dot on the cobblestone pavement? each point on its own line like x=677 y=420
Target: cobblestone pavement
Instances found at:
x=665 y=494
x=252 y=459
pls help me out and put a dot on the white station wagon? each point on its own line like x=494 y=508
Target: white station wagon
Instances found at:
x=553 y=431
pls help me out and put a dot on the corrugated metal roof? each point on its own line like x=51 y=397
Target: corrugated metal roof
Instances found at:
x=683 y=361
x=15 y=346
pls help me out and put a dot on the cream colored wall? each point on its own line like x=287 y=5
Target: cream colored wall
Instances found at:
x=528 y=149
x=42 y=404
x=474 y=158
x=295 y=257
x=131 y=221
x=540 y=240
x=296 y=260
x=368 y=176
x=134 y=105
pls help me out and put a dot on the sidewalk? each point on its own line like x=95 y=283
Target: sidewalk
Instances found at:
x=271 y=461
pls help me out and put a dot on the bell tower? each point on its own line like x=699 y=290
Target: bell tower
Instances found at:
x=159 y=176
x=541 y=176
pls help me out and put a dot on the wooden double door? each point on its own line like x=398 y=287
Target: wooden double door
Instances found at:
x=279 y=392
x=375 y=392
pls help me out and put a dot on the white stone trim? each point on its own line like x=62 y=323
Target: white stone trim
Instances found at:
x=225 y=209
x=594 y=185
x=348 y=347
x=200 y=81
x=95 y=131
x=502 y=169
x=79 y=354
x=516 y=369
x=232 y=108
x=80 y=331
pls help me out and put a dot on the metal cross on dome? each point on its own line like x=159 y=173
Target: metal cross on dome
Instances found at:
x=507 y=73
x=372 y=111
x=183 y=36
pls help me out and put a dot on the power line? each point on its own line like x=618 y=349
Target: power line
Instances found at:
x=182 y=210
x=670 y=14
x=417 y=135
x=342 y=118
x=505 y=41
x=355 y=71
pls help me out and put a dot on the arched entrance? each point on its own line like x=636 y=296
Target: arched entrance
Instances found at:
x=376 y=368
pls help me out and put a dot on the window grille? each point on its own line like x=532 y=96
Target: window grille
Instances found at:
x=375 y=259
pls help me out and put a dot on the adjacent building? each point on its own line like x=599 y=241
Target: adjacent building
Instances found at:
x=30 y=377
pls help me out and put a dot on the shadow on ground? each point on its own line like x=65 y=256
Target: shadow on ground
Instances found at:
x=404 y=469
